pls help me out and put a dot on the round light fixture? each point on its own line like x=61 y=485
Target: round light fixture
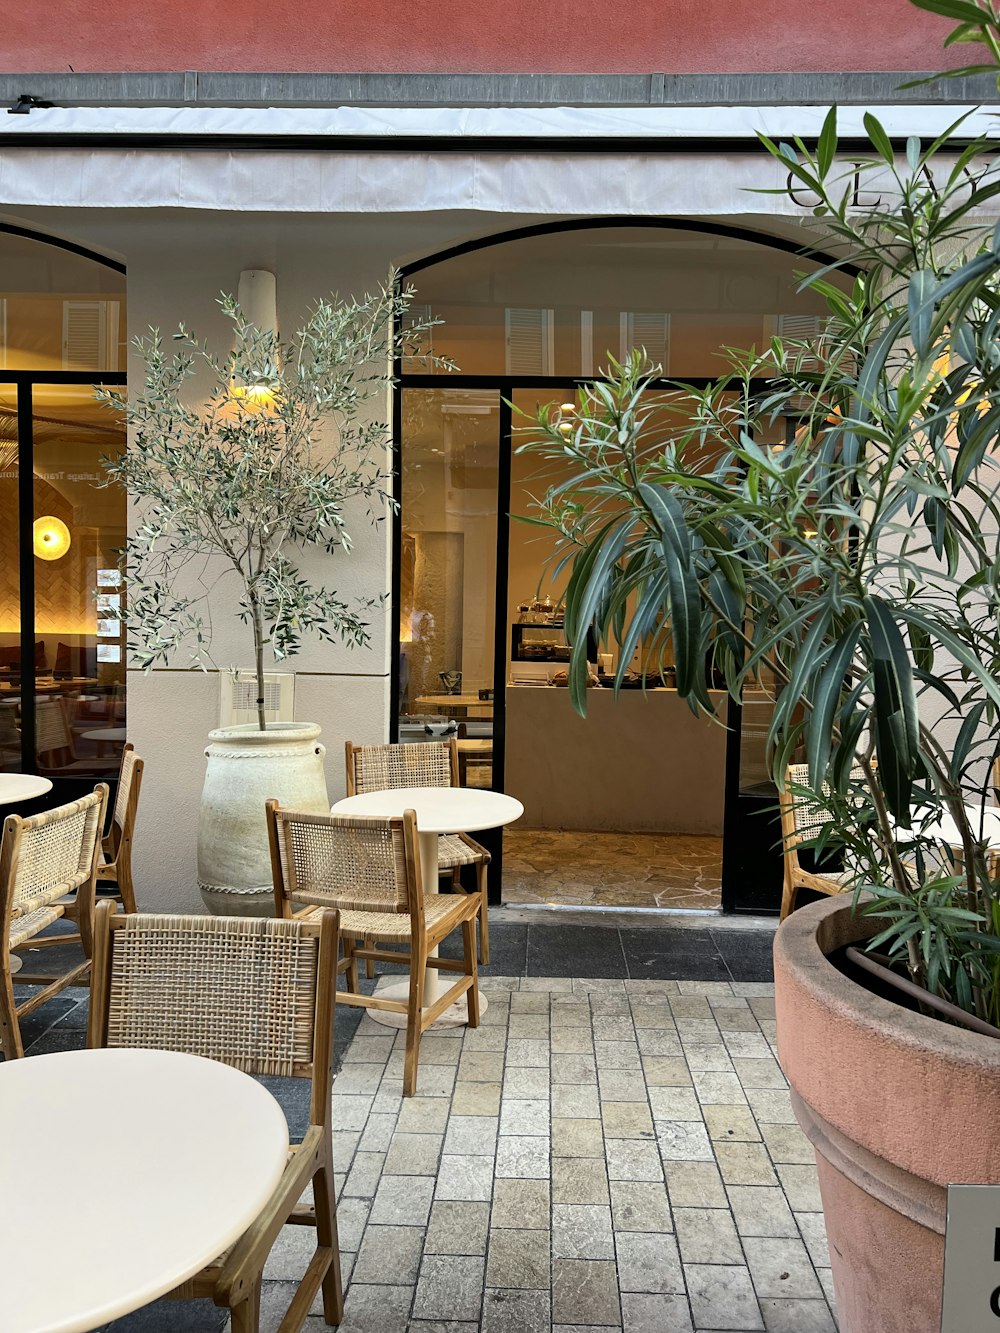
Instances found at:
x=51 y=537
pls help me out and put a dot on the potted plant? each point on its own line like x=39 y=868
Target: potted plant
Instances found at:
x=240 y=462
x=834 y=538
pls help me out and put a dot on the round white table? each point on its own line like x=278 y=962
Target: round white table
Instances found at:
x=22 y=787
x=944 y=829
x=438 y=810
x=131 y=1170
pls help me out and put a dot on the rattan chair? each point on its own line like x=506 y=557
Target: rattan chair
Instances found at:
x=115 y=865
x=370 y=870
x=425 y=764
x=56 y=743
x=48 y=870
x=256 y=994
x=803 y=818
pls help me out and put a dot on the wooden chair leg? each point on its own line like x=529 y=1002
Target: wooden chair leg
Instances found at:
x=246 y=1315
x=472 y=994
x=413 y=1017
x=484 y=915
x=10 y=1031
x=369 y=962
x=325 y=1201
x=126 y=890
x=352 y=966
x=788 y=895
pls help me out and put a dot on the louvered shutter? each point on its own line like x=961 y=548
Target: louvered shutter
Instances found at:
x=803 y=328
x=649 y=331
x=529 y=341
x=90 y=335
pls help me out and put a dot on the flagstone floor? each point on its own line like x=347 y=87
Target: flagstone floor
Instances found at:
x=609 y=1153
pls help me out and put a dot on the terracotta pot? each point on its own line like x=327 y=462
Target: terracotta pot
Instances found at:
x=246 y=767
x=897 y=1106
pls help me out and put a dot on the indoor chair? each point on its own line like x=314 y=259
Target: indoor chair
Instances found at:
x=115 y=866
x=256 y=994
x=370 y=870
x=424 y=764
x=48 y=870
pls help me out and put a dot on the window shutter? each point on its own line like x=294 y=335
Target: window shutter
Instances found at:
x=529 y=341
x=649 y=331
x=88 y=330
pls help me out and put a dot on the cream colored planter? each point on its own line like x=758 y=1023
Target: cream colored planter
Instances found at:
x=246 y=767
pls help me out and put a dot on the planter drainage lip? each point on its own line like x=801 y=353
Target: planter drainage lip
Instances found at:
x=248 y=733
x=801 y=944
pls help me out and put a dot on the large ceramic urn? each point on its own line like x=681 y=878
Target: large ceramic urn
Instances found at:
x=246 y=767
x=897 y=1104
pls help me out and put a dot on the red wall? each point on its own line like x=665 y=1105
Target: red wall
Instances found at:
x=469 y=36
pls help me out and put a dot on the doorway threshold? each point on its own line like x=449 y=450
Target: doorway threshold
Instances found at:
x=683 y=918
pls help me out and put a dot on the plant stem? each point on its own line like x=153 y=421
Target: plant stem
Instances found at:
x=258 y=648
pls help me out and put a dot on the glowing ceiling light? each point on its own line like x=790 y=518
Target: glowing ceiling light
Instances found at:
x=50 y=537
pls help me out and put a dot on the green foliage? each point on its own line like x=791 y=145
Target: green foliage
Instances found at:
x=854 y=572
x=238 y=461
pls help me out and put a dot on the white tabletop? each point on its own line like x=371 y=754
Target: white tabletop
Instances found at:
x=944 y=828
x=104 y=734
x=22 y=787
x=173 y=1157
x=439 y=809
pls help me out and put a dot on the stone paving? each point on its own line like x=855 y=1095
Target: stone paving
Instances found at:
x=600 y=1154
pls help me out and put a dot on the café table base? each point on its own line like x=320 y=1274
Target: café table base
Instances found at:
x=456 y=1015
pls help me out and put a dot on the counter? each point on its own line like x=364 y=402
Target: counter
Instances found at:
x=638 y=763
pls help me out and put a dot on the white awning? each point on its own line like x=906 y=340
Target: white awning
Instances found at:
x=542 y=167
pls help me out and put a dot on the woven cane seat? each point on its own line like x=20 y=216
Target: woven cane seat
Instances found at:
x=394 y=927
x=26 y=927
x=454 y=851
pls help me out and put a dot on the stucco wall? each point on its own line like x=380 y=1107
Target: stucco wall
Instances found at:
x=474 y=36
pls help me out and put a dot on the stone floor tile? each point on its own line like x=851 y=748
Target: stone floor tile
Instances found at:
x=763 y=1006
x=436 y=1080
x=527 y=1001
x=579 y=1180
x=439 y=1050
x=472 y=1135
x=582 y=1231
x=753 y=988
x=665 y=1072
x=771 y=1106
x=412 y=1155
x=825 y=1276
x=749 y=1045
x=366 y=1171
x=796 y=1316
x=352 y=1214
x=575 y=1101
x=674 y=1103
x=759 y=1073
x=761 y=1211
x=683 y=1141
x=522 y=1155
x=519 y=1258
x=599 y=985
x=736 y=1020
x=585 y=1290
x=529 y=1025
x=481 y=1066
x=526 y=1084
x=627 y=1120
x=517 y=1312
x=801 y=1186
x=449 y=1287
x=690 y=1006
x=577 y=1138
x=484 y=1039
x=632 y=1159
x=655 y=1314
x=350 y=1111
x=787 y=1144
x=722 y=1297
x=383 y=1309
x=500 y=986
x=524 y=1117
x=705 y=1057
x=731 y=1123
x=520 y=1203
x=613 y=1027
x=465 y=1178
x=708 y=988
x=622 y=1085
x=457 y=1227
x=441 y=1326
x=695 y=1185
x=745 y=1164
x=551 y=985
x=644 y=986
x=574 y=1069
x=402 y=1201
x=359 y=1079
x=378 y=1133
x=527 y=1053
x=780 y=1266
x=571 y=1040
x=813 y=1230
x=649 y=1262
x=345 y=1145
x=623 y=1055
x=698 y=1030
x=707 y=1236
x=477 y=1099
x=640 y=1205
x=389 y=1252
x=662 y=1042
x=569 y=1012
x=369 y=1049
x=715 y=1089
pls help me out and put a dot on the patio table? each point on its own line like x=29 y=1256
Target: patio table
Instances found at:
x=155 y=1161
x=439 y=810
x=944 y=829
x=22 y=787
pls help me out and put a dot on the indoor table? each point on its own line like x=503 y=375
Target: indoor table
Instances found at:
x=22 y=787
x=131 y=1170
x=438 y=810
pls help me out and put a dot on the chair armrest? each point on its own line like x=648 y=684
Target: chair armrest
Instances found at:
x=249 y=1255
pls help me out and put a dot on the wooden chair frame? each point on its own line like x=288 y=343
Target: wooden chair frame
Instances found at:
x=422 y=941
x=78 y=908
x=482 y=855
x=795 y=877
x=235 y=1281
x=115 y=866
